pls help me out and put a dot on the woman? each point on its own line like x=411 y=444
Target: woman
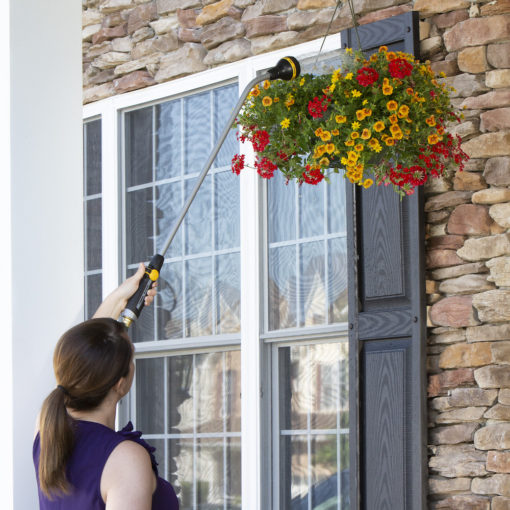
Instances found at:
x=81 y=462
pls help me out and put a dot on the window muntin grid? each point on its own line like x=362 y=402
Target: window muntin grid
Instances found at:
x=189 y=407
x=166 y=146
x=307 y=254
x=92 y=213
x=313 y=426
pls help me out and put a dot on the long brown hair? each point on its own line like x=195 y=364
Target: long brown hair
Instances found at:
x=88 y=361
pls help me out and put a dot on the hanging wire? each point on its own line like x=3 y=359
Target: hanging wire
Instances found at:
x=355 y=26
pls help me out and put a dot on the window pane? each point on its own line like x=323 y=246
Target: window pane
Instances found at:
x=169 y=301
x=197 y=135
x=312 y=285
x=337 y=280
x=226 y=203
x=150 y=395
x=228 y=295
x=180 y=394
x=180 y=454
x=282 y=287
x=209 y=372
x=139 y=220
x=168 y=140
x=311 y=210
x=210 y=473
x=336 y=205
x=233 y=474
x=198 y=221
x=232 y=411
x=139 y=149
x=225 y=98
x=281 y=209
x=94 y=231
x=93 y=153
x=168 y=208
x=198 y=300
x=313 y=413
x=94 y=291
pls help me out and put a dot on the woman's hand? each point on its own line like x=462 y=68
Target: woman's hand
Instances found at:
x=115 y=302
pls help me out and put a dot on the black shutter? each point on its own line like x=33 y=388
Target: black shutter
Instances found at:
x=387 y=324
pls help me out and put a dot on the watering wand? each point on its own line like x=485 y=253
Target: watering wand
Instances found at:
x=287 y=68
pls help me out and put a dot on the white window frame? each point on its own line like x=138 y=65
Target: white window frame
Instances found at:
x=257 y=480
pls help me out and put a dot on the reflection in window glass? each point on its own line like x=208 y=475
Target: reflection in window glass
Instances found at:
x=166 y=146
x=314 y=420
x=307 y=264
x=92 y=215
x=189 y=407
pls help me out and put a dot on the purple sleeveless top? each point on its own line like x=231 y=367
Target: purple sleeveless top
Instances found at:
x=93 y=445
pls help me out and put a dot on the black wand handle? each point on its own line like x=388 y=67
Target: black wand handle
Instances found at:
x=137 y=301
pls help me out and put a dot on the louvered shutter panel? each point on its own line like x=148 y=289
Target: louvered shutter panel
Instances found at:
x=387 y=324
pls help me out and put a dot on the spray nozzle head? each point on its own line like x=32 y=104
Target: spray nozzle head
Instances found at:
x=287 y=68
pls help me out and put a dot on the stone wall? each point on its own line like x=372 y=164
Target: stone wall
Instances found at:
x=130 y=44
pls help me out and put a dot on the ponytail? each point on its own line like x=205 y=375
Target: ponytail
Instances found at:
x=56 y=439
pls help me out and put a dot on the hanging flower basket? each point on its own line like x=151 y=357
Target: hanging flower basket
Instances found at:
x=381 y=120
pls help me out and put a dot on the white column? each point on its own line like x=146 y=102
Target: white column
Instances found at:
x=6 y=468
x=46 y=209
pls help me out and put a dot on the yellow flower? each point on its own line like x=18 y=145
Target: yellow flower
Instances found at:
x=367 y=112
x=392 y=106
x=366 y=134
x=335 y=132
x=356 y=93
x=355 y=125
x=348 y=51
x=410 y=91
x=359 y=147
x=367 y=183
x=325 y=136
x=360 y=114
x=440 y=130
x=390 y=56
x=387 y=90
x=394 y=128
x=289 y=101
x=354 y=135
x=393 y=119
x=383 y=48
x=276 y=100
x=398 y=135
x=403 y=111
x=343 y=160
x=373 y=58
x=267 y=101
x=302 y=81
x=389 y=141
x=365 y=101
x=359 y=167
x=349 y=143
x=285 y=123
x=379 y=126
x=330 y=148
x=377 y=148
x=336 y=76
x=324 y=162
x=267 y=84
x=353 y=155
x=340 y=119
x=373 y=142
x=433 y=139
x=431 y=121
x=255 y=91
x=349 y=76
x=318 y=131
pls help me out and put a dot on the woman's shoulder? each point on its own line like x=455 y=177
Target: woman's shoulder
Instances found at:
x=135 y=436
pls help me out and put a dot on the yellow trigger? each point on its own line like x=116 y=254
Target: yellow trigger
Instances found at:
x=153 y=275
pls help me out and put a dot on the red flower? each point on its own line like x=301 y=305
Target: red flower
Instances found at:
x=312 y=175
x=259 y=140
x=367 y=76
x=265 y=168
x=400 y=68
x=237 y=164
x=316 y=106
x=282 y=155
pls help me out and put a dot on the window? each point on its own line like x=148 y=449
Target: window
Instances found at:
x=252 y=300
x=92 y=204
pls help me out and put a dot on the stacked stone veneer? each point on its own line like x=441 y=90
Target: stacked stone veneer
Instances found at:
x=131 y=44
